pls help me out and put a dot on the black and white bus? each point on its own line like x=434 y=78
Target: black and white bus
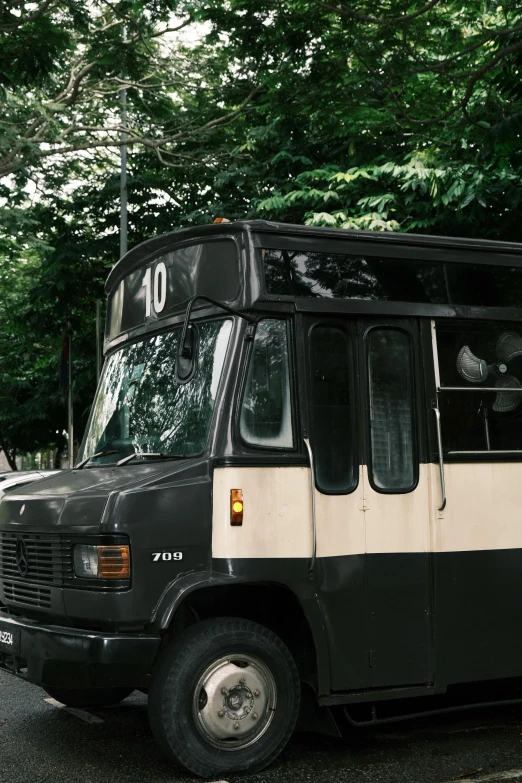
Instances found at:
x=302 y=474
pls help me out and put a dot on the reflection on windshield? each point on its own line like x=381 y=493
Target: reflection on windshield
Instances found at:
x=140 y=405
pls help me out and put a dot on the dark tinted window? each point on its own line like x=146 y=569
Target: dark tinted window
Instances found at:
x=391 y=405
x=339 y=275
x=333 y=442
x=326 y=275
x=482 y=285
x=266 y=410
x=477 y=357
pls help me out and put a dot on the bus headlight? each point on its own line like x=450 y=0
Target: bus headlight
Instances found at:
x=102 y=562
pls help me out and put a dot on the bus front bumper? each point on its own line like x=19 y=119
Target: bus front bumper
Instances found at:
x=60 y=657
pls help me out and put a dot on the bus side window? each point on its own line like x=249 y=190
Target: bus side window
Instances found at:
x=391 y=406
x=266 y=412
x=333 y=435
x=480 y=399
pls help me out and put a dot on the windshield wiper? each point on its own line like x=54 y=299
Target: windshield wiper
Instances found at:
x=98 y=454
x=156 y=454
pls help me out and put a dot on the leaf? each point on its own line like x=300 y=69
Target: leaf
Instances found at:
x=470 y=196
x=321 y=219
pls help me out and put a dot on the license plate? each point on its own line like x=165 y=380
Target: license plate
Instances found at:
x=9 y=638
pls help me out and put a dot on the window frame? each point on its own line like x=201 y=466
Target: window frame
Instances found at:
x=465 y=455
x=416 y=408
x=167 y=328
x=294 y=402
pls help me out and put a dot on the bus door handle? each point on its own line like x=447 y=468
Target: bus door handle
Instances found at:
x=441 y=459
x=314 y=521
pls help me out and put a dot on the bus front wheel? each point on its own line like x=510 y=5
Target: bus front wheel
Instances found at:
x=224 y=697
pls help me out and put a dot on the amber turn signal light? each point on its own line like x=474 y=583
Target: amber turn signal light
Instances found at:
x=236 y=506
x=113 y=562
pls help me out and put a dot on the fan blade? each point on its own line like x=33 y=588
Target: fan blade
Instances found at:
x=505 y=402
x=470 y=367
x=509 y=346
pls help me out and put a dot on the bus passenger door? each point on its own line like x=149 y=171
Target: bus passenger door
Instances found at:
x=364 y=407
x=395 y=502
x=340 y=578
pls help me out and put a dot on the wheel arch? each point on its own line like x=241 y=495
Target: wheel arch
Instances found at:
x=271 y=604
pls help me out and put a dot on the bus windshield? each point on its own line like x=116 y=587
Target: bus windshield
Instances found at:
x=141 y=407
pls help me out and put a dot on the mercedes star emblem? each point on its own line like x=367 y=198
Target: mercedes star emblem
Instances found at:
x=22 y=561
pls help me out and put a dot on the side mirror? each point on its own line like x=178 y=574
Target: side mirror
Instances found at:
x=187 y=357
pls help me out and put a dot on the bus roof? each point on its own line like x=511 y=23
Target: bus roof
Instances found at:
x=141 y=253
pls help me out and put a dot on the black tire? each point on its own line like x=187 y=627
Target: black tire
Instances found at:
x=177 y=697
x=89 y=697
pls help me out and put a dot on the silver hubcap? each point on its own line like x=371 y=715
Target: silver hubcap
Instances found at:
x=234 y=701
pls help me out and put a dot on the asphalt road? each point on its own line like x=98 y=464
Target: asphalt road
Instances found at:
x=41 y=743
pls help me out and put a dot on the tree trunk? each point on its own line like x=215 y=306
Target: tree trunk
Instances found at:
x=10 y=455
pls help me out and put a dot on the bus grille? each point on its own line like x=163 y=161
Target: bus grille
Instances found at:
x=46 y=559
x=27 y=594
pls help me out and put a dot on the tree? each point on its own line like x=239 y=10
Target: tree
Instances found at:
x=399 y=116
x=62 y=68
x=20 y=358
x=64 y=97
x=348 y=129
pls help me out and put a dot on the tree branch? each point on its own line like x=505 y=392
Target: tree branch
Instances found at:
x=128 y=83
x=345 y=10
x=72 y=88
x=462 y=104
x=21 y=20
x=472 y=79
x=159 y=33
x=491 y=35
x=17 y=158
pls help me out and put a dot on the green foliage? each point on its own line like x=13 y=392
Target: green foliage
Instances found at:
x=404 y=125
x=423 y=191
x=402 y=116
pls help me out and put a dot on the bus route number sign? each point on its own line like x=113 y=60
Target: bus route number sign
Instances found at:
x=155 y=288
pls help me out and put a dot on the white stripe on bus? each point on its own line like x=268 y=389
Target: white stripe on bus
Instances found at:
x=483 y=512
